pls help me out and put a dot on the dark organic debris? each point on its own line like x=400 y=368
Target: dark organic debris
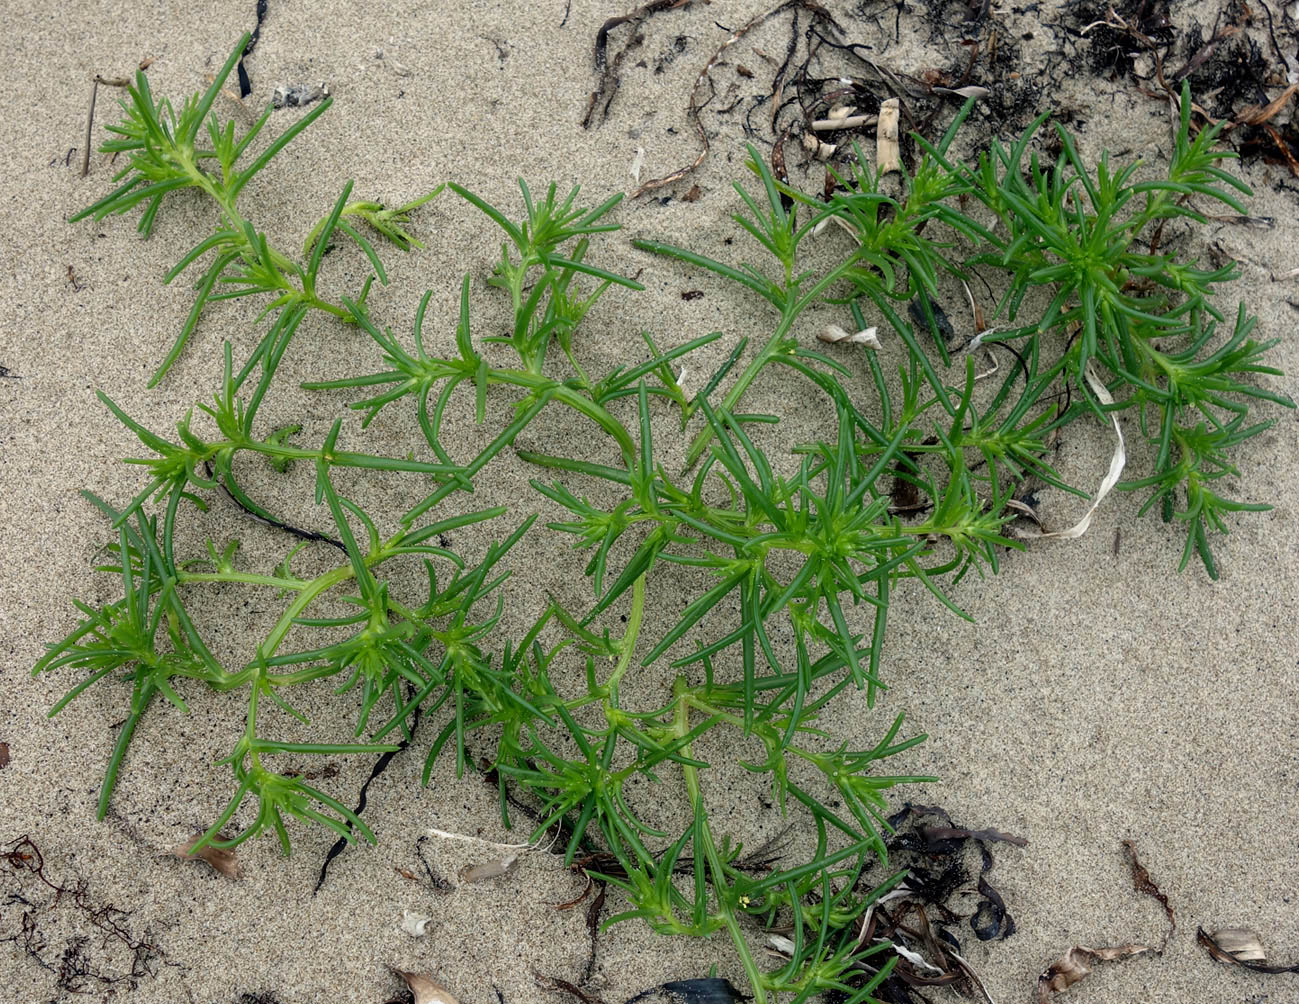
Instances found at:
x=991 y=920
x=593 y=928
x=4 y=747
x=937 y=834
x=699 y=99
x=925 y=312
x=607 y=84
x=1227 y=64
x=236 y=495
x=1142 y=882
x=1236 y=946
x=712 y=990
x=440 y=885
x=34 y=913
x=563 y=986
x=1117 y=34
x=914 y=913
x=245 y=85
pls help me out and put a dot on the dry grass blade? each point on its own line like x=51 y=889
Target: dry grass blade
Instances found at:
x=1254 y=115
x=1117 y=462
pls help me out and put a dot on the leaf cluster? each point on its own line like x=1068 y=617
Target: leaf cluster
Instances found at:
x=169 y=151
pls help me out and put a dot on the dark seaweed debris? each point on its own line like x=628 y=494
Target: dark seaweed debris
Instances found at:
x=86 y=947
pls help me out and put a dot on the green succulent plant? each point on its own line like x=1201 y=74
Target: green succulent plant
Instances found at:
x=795 y=558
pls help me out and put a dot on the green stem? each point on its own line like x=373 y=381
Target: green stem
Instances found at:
x=628 y=643
x=794 y=305
x=238 y=224
x=578 y=402
x=681 y=726
x=248 y=578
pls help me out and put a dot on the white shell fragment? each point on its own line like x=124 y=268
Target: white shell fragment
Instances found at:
x=413 y=923
x=832 y=333
x=818 y=149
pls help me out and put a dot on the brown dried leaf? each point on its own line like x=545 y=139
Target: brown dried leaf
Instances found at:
x=220 y=858
x=425 y=989
x=1076 y=963
x=489 y=869
x=1240 y=947
x=4 y=754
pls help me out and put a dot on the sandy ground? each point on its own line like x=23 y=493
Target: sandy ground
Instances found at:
x=1097 y=697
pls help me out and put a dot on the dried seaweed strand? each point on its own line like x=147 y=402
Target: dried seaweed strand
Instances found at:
x=695 y=106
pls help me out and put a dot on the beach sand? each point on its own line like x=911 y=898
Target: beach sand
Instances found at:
x=1095 y=696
